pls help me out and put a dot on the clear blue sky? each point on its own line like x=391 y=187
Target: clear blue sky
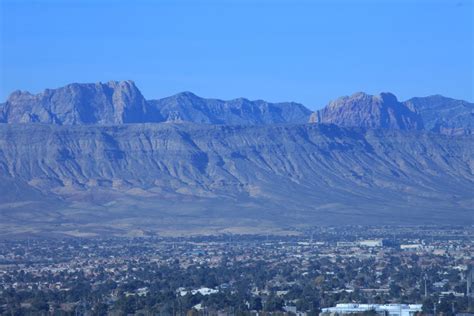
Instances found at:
x=304 y=51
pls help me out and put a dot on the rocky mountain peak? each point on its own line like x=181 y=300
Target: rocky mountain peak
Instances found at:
x=388 y=98
x=114 y=102
x=18 y=94
x=369 y=111
x=186 y=94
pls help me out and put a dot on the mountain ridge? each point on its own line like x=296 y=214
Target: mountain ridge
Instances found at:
x=119 y=102
x=187 y=106
x=445 y=115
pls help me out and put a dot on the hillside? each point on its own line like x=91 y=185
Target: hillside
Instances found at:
x=176 y=177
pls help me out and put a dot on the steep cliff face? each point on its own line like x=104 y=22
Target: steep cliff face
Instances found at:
x=444 y=115
x=100 y=103
x=368 y=111
x=188 y=107
x=284 y=175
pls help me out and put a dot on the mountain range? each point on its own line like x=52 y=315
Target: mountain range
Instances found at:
x=122 y=102
x=90 y=159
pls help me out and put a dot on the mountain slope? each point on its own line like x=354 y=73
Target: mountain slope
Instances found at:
x=188 y=107
x=367 y=111
x=170 y=177
x=444 y=115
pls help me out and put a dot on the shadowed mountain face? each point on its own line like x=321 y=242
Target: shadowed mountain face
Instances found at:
x=368 y=111
x=84 y=171
x=445 y=115
x=188 y=107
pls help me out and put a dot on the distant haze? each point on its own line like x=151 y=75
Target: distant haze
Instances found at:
x=301 y=51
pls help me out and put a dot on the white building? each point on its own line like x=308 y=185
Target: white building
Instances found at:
x=386 y=309
x=371 y=243
x=411 y=247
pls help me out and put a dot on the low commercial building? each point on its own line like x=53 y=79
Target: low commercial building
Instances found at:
x=371 y=243
x=385 y=309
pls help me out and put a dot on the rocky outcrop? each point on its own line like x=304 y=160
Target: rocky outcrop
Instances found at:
x=382 y=111
x=100 y=103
